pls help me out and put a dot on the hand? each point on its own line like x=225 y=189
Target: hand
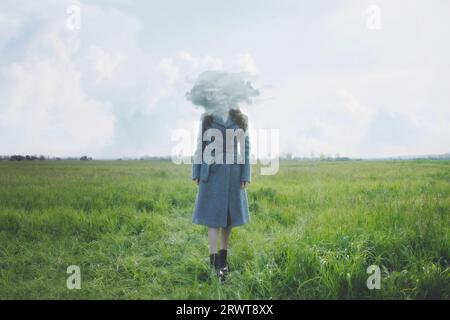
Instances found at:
x=243 y=184
x=197 y=180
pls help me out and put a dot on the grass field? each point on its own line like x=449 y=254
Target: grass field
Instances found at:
x=315 y=228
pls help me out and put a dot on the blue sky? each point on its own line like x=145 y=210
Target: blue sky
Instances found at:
x=329 y=82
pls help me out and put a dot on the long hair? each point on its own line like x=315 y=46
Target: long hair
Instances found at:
x=239 y=118
x=235 y=114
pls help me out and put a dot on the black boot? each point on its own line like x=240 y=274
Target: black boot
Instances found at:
x=214 y=261
x=223 y=264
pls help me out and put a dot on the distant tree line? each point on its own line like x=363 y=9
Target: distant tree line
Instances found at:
x=338 y=157
x=320 y=157
x=287 y=156
x=18 y=157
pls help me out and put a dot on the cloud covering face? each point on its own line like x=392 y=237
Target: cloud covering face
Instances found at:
x=219 y=91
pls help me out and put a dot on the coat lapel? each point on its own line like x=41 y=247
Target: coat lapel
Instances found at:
x=229 y=121
x=219 y=120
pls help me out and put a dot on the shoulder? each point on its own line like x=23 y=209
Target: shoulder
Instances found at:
x=206 y=119
x=239 y=118
x=205 y=116
x=241 y=114
x=244 y=120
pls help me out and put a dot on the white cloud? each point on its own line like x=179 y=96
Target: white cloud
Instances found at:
x=8 y=27
x=43 y=108
x=359 y=115
x=104 y=64
x=327 y=82
x=174 y=75
x=361 y=93
x=247 y=63
x=45 y=111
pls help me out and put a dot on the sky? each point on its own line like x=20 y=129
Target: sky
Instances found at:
x=351 y=78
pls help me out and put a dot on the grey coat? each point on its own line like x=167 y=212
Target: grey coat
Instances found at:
x=221 y=201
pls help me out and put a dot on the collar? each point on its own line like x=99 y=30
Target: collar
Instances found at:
x=218 y=119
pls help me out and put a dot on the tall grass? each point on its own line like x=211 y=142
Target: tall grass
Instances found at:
x=315 y=228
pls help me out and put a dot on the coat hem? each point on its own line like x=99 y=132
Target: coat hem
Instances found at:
x=216 y=226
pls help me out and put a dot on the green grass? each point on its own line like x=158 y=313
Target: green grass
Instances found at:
x=315 y=228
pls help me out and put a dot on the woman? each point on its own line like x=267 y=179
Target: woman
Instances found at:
x=221 y=162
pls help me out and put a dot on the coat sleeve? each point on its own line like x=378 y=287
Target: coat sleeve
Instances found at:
x=246 y=167
x=196 y=165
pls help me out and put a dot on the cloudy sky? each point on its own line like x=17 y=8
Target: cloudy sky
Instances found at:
x=358 y=78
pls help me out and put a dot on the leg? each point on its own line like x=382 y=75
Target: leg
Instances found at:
x=225 y=233
x=224 y=236
x=213 y=255
x=212 y=238
x=223 y=264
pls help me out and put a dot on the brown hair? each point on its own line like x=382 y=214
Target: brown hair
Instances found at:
x=235 y=114
x=239 y=118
